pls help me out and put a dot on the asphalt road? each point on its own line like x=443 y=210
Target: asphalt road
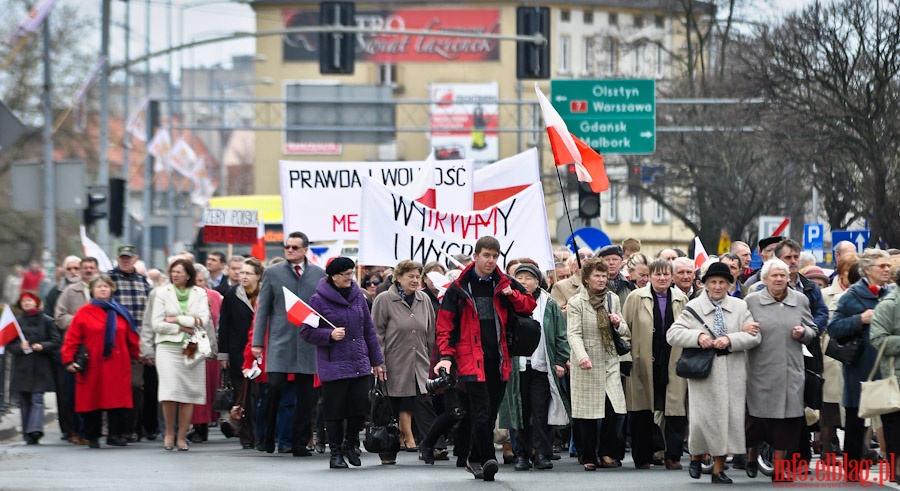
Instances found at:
x=221 y=464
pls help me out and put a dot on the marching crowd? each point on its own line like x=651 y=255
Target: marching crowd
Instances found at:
x=647 y=355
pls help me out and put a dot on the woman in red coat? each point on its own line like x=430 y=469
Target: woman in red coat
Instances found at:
x=107 y=330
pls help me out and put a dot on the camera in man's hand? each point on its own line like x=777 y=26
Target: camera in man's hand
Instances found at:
x=443 y=382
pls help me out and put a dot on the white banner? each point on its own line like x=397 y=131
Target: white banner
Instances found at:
x=394 y=228
x=324 y=199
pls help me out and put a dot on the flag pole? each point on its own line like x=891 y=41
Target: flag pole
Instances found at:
x=568 y=218
x=15 y=51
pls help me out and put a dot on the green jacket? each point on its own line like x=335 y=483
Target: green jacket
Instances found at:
x=885 y=328
x=557 y=346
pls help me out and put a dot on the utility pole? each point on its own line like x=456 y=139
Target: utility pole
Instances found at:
x=126 y=152
x=170 y=191
x=147 y=201
x=103 y=171
x=49 y=255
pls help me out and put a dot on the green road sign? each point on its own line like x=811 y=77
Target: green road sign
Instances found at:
x=612 y=116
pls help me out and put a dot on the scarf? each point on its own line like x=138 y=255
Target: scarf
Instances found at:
x=32 y=311
x=598 y=302
x=719 y=328
x=251 y=296
x=109 y=335
x=409 y=299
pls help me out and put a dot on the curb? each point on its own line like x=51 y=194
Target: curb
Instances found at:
x=10 y=424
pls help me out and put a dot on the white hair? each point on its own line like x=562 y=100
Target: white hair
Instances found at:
x=71 y=259
x=807 y=259
x=682 y=261
x=202 y=271
x=771 y=264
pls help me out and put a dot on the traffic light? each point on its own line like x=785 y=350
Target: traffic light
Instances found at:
x=571 y=178
x=588 y=201
x=336 y=50
x=532 y=59
x=117 y=206
x=96 y=205
x=635 y=177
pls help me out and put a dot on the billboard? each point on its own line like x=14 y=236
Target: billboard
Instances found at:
x=393 y=48
x=464 y=122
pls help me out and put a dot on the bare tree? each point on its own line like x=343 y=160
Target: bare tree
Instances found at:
x=830 y=72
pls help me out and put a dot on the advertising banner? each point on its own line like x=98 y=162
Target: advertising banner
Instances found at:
x=464 y=122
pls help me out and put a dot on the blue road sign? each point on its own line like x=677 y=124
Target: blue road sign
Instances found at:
x=589 y=237
x=814 y=239
x=859 y=238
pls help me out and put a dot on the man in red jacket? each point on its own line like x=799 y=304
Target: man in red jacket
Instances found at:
x=471 y=331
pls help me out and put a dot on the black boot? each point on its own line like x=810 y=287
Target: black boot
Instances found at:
x=337 y=460
x=350 y=451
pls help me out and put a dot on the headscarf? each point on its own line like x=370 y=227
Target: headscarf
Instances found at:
x=109 y=334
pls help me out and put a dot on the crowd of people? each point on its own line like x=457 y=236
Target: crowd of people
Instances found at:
x=616 y=329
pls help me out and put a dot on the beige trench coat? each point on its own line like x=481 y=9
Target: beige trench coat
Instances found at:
x=638 y=312
x=406 y=335
x=562 y=292
x=833 y=373
x=717 y=403
x=591 y=387
x=776 y=388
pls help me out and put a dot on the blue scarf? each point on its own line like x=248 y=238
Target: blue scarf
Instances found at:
x=109 y=335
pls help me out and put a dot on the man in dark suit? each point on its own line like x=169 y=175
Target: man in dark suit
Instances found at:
x=286 y=353
x=232 y=275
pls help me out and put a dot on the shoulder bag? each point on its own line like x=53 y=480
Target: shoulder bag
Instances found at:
x=622 y=347
x=383 y=432
x=224 y=393
x=696 y=363
x=877 y=397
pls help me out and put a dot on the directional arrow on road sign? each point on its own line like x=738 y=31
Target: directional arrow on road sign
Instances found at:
x=859 y=238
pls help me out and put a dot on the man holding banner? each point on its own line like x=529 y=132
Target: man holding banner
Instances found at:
x=471 y=331
x=286 y=353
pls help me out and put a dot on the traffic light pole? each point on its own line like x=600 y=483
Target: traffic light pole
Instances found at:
x=49 y=180
x=103 y=167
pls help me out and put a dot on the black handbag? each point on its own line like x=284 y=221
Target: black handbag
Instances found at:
x=812 y=389
x=224 y=400
x=523 y=334
x=383 y=432
x=81 y=358
x=696 y=363
x=847 y=352
x=622 y=347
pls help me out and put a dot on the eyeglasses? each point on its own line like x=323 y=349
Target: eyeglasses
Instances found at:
x=346 y=274
x=883 y=266
x=371 y=283
x=293 y=247
x=248 y=273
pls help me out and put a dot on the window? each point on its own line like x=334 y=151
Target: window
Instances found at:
x=660 y=61
x=387 y=74
x=660 y=22
x=565 y=15
x=565 y=49
x=639 y=59
x=588 y=67
x=588 y=17
x=659 y=213
x=638 y=21
x=613 y=19
x=612 y=209
x=612 y=65
x=637 y=208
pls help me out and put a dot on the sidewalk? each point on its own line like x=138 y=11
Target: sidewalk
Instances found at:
x=11 y=422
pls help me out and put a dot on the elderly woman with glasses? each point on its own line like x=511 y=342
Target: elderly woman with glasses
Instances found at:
x=775 y=406
x=852 y=319
x=347 y=352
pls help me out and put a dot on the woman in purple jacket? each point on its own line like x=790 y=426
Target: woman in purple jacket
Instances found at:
x=346 y=355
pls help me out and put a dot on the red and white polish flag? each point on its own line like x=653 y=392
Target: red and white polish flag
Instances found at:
x=298 y=311
x=9 y=328
x=700 y=255
x=422 y=188
x=569 y=149
x=440 y=282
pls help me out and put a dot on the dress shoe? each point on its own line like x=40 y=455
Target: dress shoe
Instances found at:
x=607 y=464
x=555 y=456
x=541 y=462
x=641 y=467
x=426 y=454
x=227 y=429
x=721 y=478
x=752 y=469
x=152 y=436
x=115 y=441
x=301 y=452
x=522 y=464
x=195 y=437
x=475 y=469
x=261 y=446
x=35 y=437
x=694 y=469
x=739 y=461
x=247 y=446
x=673 y=465
x=441 y=454
x=490 y=468
x=658 y=461
x=94 y=444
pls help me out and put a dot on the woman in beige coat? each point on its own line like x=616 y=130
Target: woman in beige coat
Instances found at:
x=597 y=392
x=405 y=324
x=179 y=310
x=653 y=385
x=775 y=406
x=717 y=403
